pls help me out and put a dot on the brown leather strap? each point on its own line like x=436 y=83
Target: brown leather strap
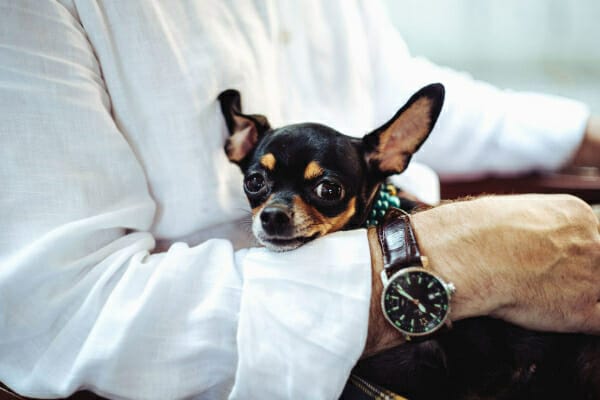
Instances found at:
x=398 y=243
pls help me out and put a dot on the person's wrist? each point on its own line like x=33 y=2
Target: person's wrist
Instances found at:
x=446 y=256
x=443 y=235
x=381 y=335
x=588 y=152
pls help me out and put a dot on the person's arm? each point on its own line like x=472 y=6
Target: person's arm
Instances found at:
x=588 y=152
x=533 y=260
x=84 y=304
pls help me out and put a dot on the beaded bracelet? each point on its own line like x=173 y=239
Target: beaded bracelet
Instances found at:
x=386 y=198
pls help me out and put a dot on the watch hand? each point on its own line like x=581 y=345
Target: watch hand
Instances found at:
x=415 y=301
x=404 y=294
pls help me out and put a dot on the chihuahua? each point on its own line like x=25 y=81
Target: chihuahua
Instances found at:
x=306 y=180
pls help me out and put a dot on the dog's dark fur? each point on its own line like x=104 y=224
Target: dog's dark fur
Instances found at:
x=307 y=180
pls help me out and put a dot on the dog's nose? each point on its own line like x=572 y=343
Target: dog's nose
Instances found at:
x=275 y=220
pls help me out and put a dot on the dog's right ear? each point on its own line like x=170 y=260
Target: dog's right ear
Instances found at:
x=244 y=130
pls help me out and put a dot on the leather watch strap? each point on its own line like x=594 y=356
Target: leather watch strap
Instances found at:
x=398 y=243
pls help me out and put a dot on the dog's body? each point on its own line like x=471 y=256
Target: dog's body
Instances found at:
x=306 y=180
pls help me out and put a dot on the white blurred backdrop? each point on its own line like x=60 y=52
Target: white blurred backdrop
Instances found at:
x=552 y=46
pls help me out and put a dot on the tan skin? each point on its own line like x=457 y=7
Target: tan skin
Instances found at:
x=533 y=260
x=588 y=153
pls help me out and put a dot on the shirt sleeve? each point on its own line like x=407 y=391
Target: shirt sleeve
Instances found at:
x=302 y=318
x=482 y=129
x=84 y=304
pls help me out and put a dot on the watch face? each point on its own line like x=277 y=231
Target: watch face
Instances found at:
x=415 y=301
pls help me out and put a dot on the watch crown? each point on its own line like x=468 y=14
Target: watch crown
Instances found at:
x=451 y=288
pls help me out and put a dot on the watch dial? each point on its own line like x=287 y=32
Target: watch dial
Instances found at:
x=415 y=301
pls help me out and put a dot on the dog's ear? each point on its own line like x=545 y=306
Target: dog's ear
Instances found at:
x=388 y=149
x=244 y=130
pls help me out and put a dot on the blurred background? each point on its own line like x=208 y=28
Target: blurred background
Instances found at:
x=552 y=46
x=549 y=46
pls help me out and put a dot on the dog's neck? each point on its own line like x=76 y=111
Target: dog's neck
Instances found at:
x=386 y=197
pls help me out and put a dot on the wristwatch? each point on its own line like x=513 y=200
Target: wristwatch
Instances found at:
x=414 y=300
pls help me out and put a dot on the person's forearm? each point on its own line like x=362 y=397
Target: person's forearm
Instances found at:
x=588 y=153
x=381 y=335
x=533 y=260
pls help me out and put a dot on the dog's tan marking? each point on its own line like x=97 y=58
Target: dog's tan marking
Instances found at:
x=313 y=170
x=306 y=219
x=256 y=210
x=343 y=218
x=268 y=161
x=309 y=221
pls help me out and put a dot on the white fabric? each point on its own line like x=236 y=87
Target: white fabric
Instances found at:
x=110 y=138
x=482 y=129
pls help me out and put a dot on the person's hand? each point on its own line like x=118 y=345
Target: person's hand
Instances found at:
x=588 y=153
x=533 y=260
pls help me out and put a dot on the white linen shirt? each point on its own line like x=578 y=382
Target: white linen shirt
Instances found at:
x=111 y=139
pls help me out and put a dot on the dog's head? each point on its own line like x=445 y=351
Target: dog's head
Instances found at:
x=306 y=180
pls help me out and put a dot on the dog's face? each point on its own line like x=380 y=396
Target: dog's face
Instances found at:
x=306 y=180
x=303 y=181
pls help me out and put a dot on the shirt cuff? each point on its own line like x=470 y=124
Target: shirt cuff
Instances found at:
x=303 y=318
x=541 y=131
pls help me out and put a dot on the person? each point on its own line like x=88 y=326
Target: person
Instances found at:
x=111 y=140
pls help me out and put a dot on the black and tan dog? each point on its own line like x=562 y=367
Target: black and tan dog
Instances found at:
x=306 y=180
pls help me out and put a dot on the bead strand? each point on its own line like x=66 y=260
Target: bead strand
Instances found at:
x=386 y=198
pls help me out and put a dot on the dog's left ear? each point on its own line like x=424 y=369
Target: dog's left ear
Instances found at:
x=244 y=130
x=388 y=149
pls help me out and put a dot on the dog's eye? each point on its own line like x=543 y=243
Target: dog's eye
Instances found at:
x=254 y=183
x=329 y=191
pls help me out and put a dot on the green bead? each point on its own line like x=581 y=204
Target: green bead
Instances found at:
x=386 y=198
